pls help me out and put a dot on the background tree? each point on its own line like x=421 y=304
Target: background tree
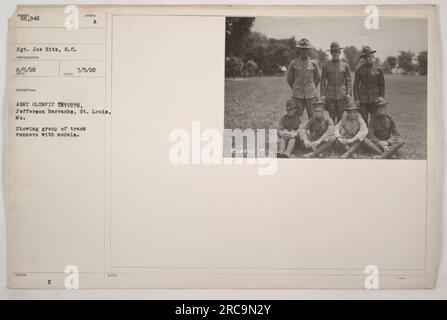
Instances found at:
x=249 y=68
x=233 y=66
x=279 y=53
x=392 y=62
x=378 y=61
x=256 y=48
x=386 y=67
x=270 y=55
x=352 y=56
x=249 y=53
x=237 y=31
x=422 y=60
x=319 y=55
x=405 y=60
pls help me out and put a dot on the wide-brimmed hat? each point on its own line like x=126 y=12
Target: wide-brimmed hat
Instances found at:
x=381 y=101
x=304 y=44
x=335 y=46
x=366 y=50
x=352 y=105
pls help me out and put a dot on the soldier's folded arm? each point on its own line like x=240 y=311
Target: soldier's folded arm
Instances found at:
x=363 y=131
x=395 y=134
x=330 y=131
x=371 y=135
x=295 y=133
x=302 y=134
x=394 y=130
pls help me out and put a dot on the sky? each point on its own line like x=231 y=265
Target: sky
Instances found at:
x=393 y=35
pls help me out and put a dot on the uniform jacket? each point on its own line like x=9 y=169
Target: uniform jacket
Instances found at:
x=336 y=80
x=290 y=123
x=319 y=129
x=369 y=83
x=382 y=127
x=303 y=77
x=350 y=129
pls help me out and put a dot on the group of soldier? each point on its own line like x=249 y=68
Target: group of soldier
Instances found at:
x=337 y=121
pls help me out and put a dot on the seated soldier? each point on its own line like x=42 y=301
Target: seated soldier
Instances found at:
x=318 y=132
x=383 y=133
x=350 y=131
x=287 y=131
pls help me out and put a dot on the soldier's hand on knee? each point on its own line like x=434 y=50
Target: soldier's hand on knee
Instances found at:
x=383 y=144
x=306 y=143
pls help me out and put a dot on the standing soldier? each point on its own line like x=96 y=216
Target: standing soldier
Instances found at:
x=336 y=84
x=303 y=77
x=383 y=133
x=369 y=84
x=318 y=133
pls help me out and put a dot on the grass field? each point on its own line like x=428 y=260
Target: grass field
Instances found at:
x=259 y=102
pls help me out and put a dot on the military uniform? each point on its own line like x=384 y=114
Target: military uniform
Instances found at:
x=369 y=84
x=321 y=130
x=355 y=130
x=383 y=128
x=290 y=122
x=287 y=131
x=351 y=129
x=336 y=85
x=317 y=129
x=303 y=77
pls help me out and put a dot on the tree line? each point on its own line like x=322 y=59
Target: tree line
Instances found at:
x=250 y=53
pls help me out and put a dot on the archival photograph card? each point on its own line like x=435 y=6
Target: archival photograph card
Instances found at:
x=222 y=147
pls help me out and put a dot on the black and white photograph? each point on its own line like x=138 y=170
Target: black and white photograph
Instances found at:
x=331 y=87
x=256 y=152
